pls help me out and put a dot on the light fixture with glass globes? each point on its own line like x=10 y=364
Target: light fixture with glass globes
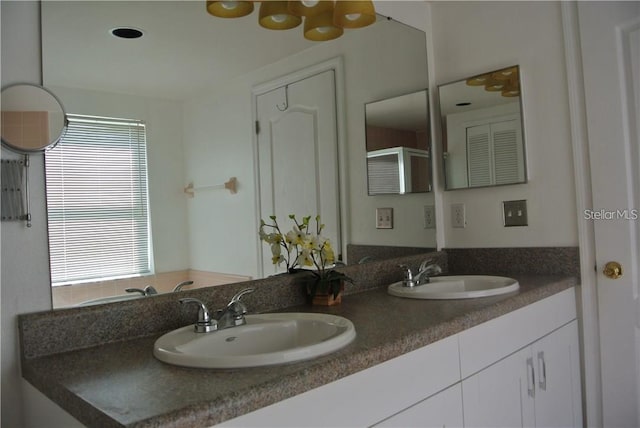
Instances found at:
x=275 y=15
x=321 y=26
x=354 y=14
x=505 y=81
x=229 y=9
x=309 y=7
x=323 y=19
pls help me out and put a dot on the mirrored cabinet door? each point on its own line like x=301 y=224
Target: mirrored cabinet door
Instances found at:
x=482 y=130
x=398 y=145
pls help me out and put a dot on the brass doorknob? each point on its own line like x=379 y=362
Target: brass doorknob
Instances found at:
x=612 y=270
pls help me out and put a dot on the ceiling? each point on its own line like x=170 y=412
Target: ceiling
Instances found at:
x=183 y=47
x=407 y=112
x=458 y=92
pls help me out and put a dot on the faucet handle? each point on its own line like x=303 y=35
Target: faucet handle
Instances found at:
x=149 y=290
x=179 y=286
x=426 y=263
x=237 y=296
x=205 y=323
x=236 y=307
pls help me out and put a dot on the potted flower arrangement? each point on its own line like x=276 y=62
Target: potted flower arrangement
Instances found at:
x=301 y=249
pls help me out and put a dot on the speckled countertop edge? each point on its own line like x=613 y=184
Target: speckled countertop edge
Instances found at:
x=83 y=381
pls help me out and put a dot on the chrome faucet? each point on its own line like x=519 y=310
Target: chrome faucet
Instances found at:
x=180 y=285
x=365 y=259
x=231 y=316
x=205 y=323
x=147 y=291
x=427 y=269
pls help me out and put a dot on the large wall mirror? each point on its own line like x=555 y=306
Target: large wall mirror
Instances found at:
x=483 y=132
x=398 y=145
x=189 y=79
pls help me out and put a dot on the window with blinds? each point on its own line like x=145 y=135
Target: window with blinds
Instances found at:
x=97 y=201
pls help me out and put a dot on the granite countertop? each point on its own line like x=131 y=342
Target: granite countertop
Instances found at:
x=122 y=384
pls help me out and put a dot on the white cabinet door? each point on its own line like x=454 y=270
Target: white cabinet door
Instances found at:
x=557 y=362
x=441 y=410
x=537 y=386
x=502 y=395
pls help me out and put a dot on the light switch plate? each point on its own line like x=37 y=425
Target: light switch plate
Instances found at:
x=515 y=213
x=384 y=218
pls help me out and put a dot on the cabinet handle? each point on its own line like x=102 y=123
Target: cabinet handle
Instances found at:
x=542 y=369
x=531 y=378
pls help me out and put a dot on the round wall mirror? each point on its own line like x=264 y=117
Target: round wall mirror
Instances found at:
x=33 y=119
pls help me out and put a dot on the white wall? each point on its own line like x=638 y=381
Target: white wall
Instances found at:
x=167 y=201
x=25 y=259
x=470 y=38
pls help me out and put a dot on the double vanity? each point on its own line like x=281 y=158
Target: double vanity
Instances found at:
x=374 y=359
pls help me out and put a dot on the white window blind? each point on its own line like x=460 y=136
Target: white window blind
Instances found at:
x=383 y=174
x=97 y=201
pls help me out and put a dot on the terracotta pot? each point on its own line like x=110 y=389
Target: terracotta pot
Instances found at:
x=327 y=299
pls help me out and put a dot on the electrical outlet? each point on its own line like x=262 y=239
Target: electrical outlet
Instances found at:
x=515 y=213
x=384 y=218
x=458 y=218
x=429 y=217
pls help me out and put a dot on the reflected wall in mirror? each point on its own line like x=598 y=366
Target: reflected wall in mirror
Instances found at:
x=194 y=97
x=398 y=146
x=483 y=131
x=33 y=119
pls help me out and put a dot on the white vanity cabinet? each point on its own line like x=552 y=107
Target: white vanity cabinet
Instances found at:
x=520 y=369
x=523 y=369
x=441 y=410
x=556 y=361
x=372 y=395
x=536 y=386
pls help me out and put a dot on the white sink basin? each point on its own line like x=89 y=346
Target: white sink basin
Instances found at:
x=457 y=287
x=266 y=339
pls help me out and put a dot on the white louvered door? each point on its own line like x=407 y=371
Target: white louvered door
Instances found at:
x=494 y=154
x=479 y=162
x=507 y=152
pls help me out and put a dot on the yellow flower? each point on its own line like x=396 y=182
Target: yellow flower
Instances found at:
x=295 y=236
x=305 y=258
x=327 y=253
x=310 y=243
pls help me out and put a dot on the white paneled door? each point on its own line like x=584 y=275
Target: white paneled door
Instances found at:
x=298 y=156
x=610 y=48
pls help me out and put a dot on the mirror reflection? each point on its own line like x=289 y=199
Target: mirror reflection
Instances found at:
x=483 y=134
x=398 y=148
x=189 y=80
x=32 y=118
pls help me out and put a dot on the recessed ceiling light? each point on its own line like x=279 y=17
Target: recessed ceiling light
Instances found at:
x=127 y=33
